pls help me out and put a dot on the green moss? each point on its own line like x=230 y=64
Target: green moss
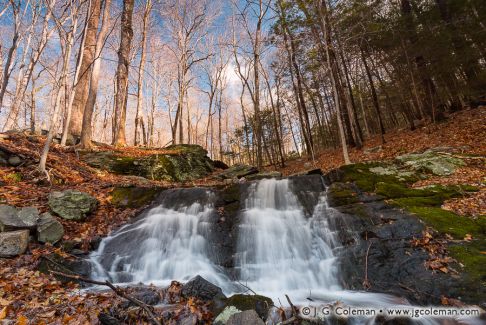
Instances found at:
x=355 y=209
x=341 y=194
x=397 y=190
x=367 y=180
x=260 y=304
x=13 y=177
x=431 y=201
x=450 y=223
x=133 y=197
x=472 y=256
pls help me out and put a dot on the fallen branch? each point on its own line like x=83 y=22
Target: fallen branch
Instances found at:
x=295 y=310
x=119 y=291
x=366 y=282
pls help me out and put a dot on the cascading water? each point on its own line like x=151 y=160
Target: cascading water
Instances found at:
x=169 y=243
x=279 y=248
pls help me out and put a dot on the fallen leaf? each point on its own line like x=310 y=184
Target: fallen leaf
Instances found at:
x=3 y=313
x=22 y=320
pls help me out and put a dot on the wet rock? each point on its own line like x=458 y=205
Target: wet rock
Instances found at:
x=200 y=288
x=341 y=194
x=133 y=197
x=244 y=318
x=12 y=218
x=237 y=171
x=13 y=243
x=49 y=230
x=271 y=174
x=431 y=162
x=315 y=171
x=71 y=204
x=223 y=317
x=258 y=303
x=56 y=262
x=179 y=163
x=145 y=294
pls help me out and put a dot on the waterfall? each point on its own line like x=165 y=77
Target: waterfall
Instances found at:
x=169 y=243
x=279 y=248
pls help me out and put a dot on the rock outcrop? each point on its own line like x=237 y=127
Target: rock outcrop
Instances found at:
x=177 y=163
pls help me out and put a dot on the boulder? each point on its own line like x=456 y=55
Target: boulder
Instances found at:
x=237 y=171
x=147 y=295
x=200 y=288
x=341 y=194
x=13 y=243
x=73 y=265
x=12 y=218
x=133 y=196
x=223 y=317
x=49 y=230
x=315 y=171
x=71 y=204
x=244 y=318
x=258 y=303
x=431 y=162
x=177 y=163
x=271 y=174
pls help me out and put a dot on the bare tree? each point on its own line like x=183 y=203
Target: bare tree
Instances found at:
x=121 y=98
x=86 y=131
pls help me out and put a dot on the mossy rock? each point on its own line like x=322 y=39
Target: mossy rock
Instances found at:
x=271 y=174
x=431 y=162
x=133 y=197
x=471 y=256
x=260 y=304
x=178 y=163
x=357 y=209
x=448 y=222
x=237 y=171
x=71 y=204
x=339 y=194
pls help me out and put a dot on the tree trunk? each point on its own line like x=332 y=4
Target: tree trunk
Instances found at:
x=138 y=116
x=121 y=99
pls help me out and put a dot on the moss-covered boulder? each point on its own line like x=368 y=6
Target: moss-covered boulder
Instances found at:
x=339 y=194
x=178 y=163
x=431 y=162
x=133 y=196
x=237 y=171
x=260 y=304
x=72 y=205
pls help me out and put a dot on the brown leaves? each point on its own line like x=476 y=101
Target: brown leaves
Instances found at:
x=437 y=249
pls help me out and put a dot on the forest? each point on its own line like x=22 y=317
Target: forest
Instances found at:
x=239 y=161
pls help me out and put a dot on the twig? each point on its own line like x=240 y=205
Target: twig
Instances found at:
x=119 y=291
x=250 y=289
x=366 y=282
x=295 y=310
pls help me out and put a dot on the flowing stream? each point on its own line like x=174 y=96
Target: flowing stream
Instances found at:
x=279 y=249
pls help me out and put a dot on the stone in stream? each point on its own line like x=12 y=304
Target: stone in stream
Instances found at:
x=200 y=288
x=260 y=304
x=49 y=230
x=72 y=205
x=13 y=243
x=223 y=317
x=12 y=218
x=244 y=318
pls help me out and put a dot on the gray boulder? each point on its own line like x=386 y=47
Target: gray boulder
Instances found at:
x=49 y=230
x=200 y=288
x=244 y=318
x=12 y=218
x=431 y=162
x=15 y=161
x=71 y=204
x=13 y=243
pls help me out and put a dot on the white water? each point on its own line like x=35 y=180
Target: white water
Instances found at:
x=170 y=245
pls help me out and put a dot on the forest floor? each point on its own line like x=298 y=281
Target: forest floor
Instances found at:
x=30 y=297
